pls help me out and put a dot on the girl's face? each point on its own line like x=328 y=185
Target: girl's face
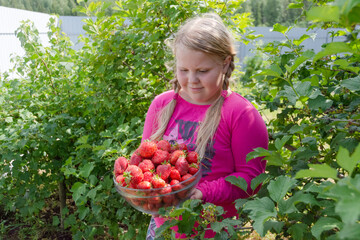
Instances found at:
x=200 y=75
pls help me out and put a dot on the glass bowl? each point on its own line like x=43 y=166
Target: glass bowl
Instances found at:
x=151 y=200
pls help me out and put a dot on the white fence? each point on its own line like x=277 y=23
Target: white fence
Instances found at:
x=10 y=20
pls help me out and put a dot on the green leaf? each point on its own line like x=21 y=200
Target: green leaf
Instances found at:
x=78 y=189
x=86 y=169
x=320 y=102
x=261 y=210
x=349 y=231
x=279 y=143
x=92 y=193
x=279 y=187
x=238 y=181
x=353 y=84
x=289 y=205
x=186 y=225
x=221 y=236
x=218 y=226
x=349 y=209
x=166 y=225
x=274 y=70
x=297 y=230
x=239 y=203
x=303 y=88
x=289 y=93
x=255 y=182
x=271 y=224
x=323 y=14
x=272 y=157
x=55 y=221
x=325 y=224
x=70 y=221
x=177 y=212
x=268 y=72
x=346 y=161
x=349 y=11
x=295 y=5
x=280 y=28
x=333 y=48
x=297 y=42
x=83 y=139
x=83 y=211
x=318 y=171
x=305 y=56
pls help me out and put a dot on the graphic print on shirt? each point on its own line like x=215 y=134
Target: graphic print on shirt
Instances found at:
x=184 y=132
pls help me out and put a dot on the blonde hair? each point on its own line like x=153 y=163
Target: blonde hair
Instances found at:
x=207 y=34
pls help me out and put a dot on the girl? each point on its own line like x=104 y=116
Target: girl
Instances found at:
x=201 y=111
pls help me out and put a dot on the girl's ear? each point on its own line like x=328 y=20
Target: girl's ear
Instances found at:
x=226 y=64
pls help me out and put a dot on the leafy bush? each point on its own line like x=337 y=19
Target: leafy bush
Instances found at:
x=311 y=185
x=66 y=115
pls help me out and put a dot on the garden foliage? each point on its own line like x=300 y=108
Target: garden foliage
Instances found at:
x=312 y=183
x=67 y=114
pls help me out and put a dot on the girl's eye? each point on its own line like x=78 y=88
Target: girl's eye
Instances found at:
x=183 y=70
x=203 y=71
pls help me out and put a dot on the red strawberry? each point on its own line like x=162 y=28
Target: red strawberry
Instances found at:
x=154 y=201
x=120 y=165
x=168 y=198
x=175 y=185
x=136 y=174
x=166 y=189
x=147 y=149
x=175 y=174
x=193 y=168
x=146 y=165
x=122 y=180
x=192 y=157
x=158 y=182
x=144 y=185
x=175 y=155
x=163 y=170
x=148 y=176
x=132 y=185
x=135 y=159
x=182 y=146
x=182 y=165
x=164 y=145
x=186 y=176
x=160 y=156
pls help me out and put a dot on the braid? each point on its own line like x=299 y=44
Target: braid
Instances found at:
x=175 y=84
x=227 y=75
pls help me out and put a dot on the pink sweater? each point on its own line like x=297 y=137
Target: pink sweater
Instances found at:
x=241 y=129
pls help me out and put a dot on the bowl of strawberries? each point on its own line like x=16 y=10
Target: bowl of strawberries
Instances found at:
x=158 y=174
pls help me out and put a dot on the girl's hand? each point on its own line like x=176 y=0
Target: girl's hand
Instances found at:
x=196 y=194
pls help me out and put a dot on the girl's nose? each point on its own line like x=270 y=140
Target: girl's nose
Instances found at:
x=192 y=77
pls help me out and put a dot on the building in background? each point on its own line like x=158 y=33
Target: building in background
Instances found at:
x=11 y=18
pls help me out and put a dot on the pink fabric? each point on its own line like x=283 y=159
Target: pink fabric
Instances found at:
x=241 y=129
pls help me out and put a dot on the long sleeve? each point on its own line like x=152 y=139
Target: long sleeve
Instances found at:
x=247 y=132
